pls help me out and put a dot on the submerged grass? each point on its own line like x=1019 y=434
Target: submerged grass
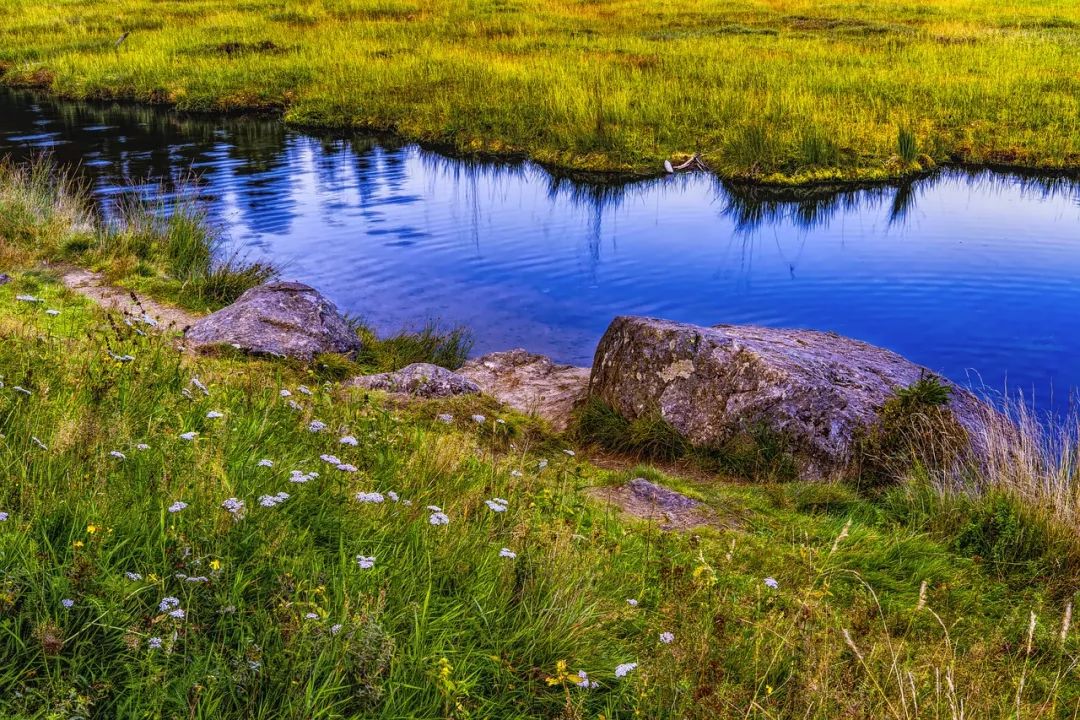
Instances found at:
x=782 y=91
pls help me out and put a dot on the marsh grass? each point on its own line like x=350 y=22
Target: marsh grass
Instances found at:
x=788 y=91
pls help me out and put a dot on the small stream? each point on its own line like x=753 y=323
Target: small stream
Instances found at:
x=975 y=275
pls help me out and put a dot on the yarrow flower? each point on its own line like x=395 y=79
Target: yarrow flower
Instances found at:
x=233 y=505
x=285 y=393
x=299 y=476
x=168 y=603
x=142 y=446
x=349 y=440
x=369 y=497
x=631 y=602
x=346 y=467
x=177 y=613
x=365 y=562
x=214 y=415
x=304 y=390
x=624 y=669
x=67 y=603
x=52 y=312
x=445 y=418
x=22 y=390
x=198 y=384
x=439 y=518
x=335 y=628
x=28 y=298
x=272 y=500
x=316 y=426
x=771 y=582
x=479 y=419
x=515 y=473
x=542 y=464
x=507 y=553
x=189 y=436
x=333 y=460
x=311 y=616
x=117 y=454
x=266 y=463
x=667 y=638
x=295 y=405
x=154 y=643
x=177 y=506
x=583 y=681
x=496 y=505
x=392 y=495
x=133 y=576
x=37 y=442
x=3 y=517
x=570 y=453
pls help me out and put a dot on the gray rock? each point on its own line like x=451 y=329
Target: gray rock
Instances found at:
x=530 y=383
x=419 y=380
x=817 y=390
x=278 y=318
x=659 y=497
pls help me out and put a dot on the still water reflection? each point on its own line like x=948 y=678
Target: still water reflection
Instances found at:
x=973 y=275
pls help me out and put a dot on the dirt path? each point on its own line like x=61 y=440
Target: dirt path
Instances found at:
x=93 y=286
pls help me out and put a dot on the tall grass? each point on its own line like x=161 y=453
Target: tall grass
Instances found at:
x=173 y=251
x=783 y=91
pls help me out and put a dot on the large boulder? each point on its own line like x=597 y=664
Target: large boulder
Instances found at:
x=530 y=383
x=817 y=391
x=422 y=380
x=278 y=318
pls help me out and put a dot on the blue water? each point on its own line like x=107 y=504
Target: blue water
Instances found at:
x=974 y=275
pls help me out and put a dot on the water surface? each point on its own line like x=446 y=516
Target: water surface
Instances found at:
x=976 y=276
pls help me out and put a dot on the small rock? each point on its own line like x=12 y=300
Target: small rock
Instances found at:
x=279 y=319
x=422 y=380
x=660 y=497
x=530 y=383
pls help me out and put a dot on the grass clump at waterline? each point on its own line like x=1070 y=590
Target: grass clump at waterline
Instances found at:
x=172 y=253
x=179 y=536
x=786 y=91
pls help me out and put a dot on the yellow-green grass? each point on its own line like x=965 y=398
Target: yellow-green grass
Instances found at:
x=914 y=604
x=770 y=90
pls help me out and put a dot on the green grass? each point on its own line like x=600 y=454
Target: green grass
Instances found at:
x=776 y=91
x=442 y=626
x=915 y=603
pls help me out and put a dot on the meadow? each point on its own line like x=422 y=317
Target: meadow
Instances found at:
x=219 y=536
x=776 y=91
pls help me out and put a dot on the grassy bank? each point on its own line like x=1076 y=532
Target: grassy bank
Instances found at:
x=196 y=536
x=787 y=91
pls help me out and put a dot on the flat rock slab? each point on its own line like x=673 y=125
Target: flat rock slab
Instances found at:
x=422 y=380
x=281 y=319
x=817 y=390
x=530 y=383
x=649 y=501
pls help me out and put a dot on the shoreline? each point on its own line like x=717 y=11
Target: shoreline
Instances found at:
x=821 y=181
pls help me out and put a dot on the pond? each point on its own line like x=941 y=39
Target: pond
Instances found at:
x=973 y=274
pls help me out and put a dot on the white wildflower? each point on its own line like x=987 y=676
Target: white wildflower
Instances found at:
x=177 y=613
x=37 y=442
x=3 y=517
x=349 y=440
x=542 y=464
x=479 y=419
x=631 y=602
x=177 y=506
x=346 y=467
x=22 y=390
x=266 y=463
x=295 y=405
x=507 y=553
x=316 y=426
x=434 y=508
x=189 y=436
x=365 y=562
x=299 y=476
x=117 y=454
x=168 y=603
x=439 y=518
x=392 y=495
x=584 y=681
x=133 y=576
x=28 y=298
x=142 y=446
x=67 y=603
x=445 y=418
x=285 y=393
x=332 y=459
x=496 y=505
x=771 y=582
x=213 y=415
x=667 y=638
x=624 y=669
x=233 y=505
x=515 y=473
x=198 y=384
x=154 y=643
x=304 y=390
x=52 y=312
x=369 y=497
x=311 y=616
x=570 y=453
x=335 y=628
